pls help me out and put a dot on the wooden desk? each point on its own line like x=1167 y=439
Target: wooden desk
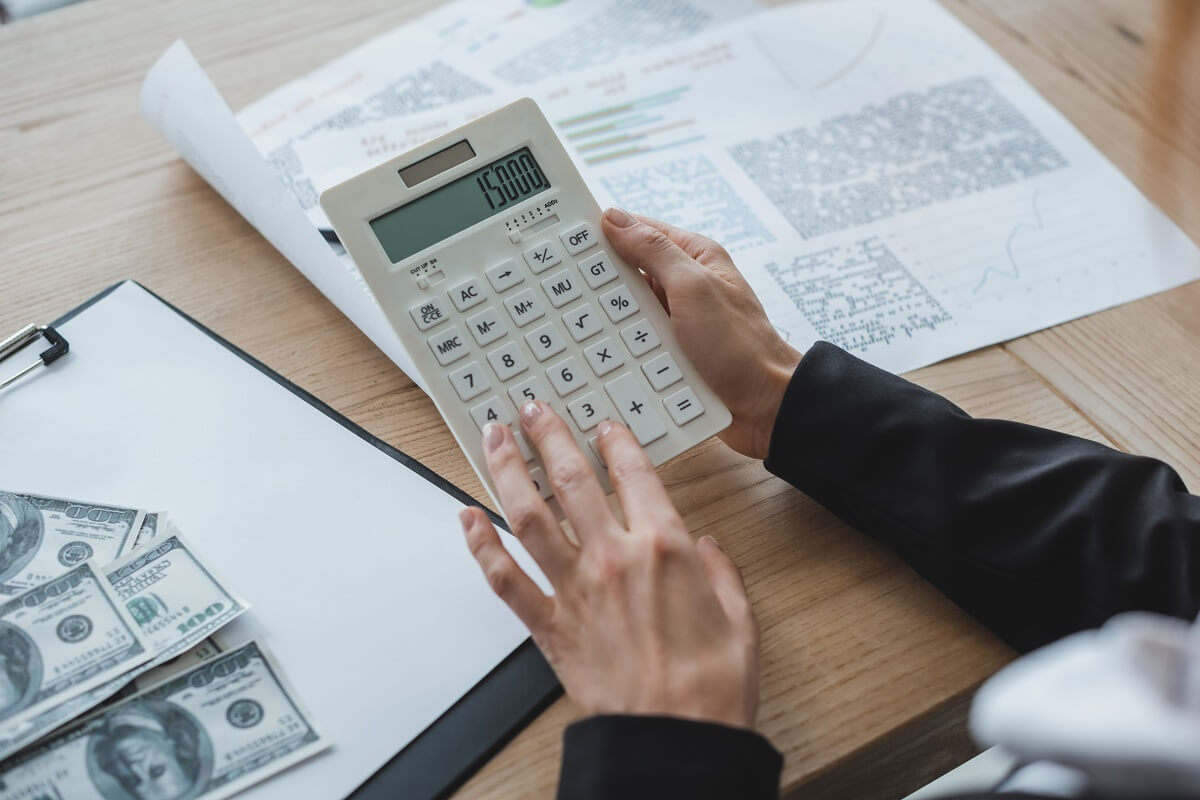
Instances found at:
x=867 y=671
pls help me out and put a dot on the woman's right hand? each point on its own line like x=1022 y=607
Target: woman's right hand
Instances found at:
x=717 y=319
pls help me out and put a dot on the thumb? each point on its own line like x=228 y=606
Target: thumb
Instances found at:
x=727 y=584
x=647 y=248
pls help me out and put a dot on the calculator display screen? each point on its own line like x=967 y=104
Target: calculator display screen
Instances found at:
x=459 y=204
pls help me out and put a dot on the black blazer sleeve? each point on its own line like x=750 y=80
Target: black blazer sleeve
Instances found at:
x=636 y=757
x=1036 y=533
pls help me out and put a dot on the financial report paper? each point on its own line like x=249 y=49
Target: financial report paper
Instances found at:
x=883 y=179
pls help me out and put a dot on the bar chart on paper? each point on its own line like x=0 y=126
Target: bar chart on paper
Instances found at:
x=641 y=125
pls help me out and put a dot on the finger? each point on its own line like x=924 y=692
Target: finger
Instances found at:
x=571 y=476
x=504 y=575
x=707 y=252
x=658 y=290
x=647 y=248
x=728 y=586
x=639 y=489
x=527 y=513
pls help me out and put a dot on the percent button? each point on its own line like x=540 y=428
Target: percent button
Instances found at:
x=619 y=303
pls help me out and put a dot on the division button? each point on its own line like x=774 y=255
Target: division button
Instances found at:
x=604 y=356
x=561 y=288
x=467 y=294
x=542 y=256
x=640 y=338
x=566 y=376
x=583 y=322
x=448 y=346
x=619 y=303
x=683 y=406
x=636 y=408
x=507 y=361
x=662 y=371
x=598 y=269
x=545 y=341
x=505 y=275
x=491 y=410
x=524 y=307
x=588 y=410
x=470 y=381
x=428 y=313
x=578 y=239
x=486 y=326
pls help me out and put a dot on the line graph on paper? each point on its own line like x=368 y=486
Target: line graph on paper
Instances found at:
x=1014 y=269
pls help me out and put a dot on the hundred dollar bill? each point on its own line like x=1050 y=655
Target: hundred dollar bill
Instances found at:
x=177 y=603
x=43 y=537
x=61 y=639
x=210 y=732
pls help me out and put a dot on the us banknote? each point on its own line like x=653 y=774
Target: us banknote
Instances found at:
x=61 y=639
x=208 y=733
x=43 y=537
x=177 y=603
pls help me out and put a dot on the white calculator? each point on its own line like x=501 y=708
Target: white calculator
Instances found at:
x=484 y=249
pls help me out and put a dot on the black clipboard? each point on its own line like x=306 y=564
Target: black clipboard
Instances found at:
x=480 y=722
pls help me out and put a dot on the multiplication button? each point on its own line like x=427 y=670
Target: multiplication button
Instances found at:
x=619 y=303
x=662 y=371
x=504 y=276
x=448 y=346
x=597 y=270
x=604 y=356
x=542 y=256
x=683 y=406
x=428 y=313
x=524 y=307
x=578 y=239
x=640 y=338
x=634 y=406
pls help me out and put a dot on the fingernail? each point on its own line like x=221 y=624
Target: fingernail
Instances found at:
x=530 y=411
x=466 y=518
x=604 y=428
x=619 y=217
x=711 y=541
x=493 y=435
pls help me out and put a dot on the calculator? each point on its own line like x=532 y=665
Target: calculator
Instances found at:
x=484 y=249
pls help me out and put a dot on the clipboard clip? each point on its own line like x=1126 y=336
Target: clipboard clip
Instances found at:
x=19 y=340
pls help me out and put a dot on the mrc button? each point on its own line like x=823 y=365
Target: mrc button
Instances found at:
x=448 y=346
x=578 y=239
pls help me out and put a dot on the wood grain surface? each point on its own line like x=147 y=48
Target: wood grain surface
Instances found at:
x=867 y=671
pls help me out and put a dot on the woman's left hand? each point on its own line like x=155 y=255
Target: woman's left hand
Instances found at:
x=643 y=619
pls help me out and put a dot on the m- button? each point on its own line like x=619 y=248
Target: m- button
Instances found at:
x=578 y=239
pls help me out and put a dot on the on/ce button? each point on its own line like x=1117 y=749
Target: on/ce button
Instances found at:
x=578 y=239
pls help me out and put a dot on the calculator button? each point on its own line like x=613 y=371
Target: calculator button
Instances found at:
x=505 y=275
x=578 y=239
x=619 y=303
x=467 y=294
x=598 y=270
x=486 y=326
x=491 y=410
x=448 y=346
x=640 y=338
x=538 y=476
x=662 y=371
x=636 y=408
x=567 y=376
x=507 y=361
x=428 y=313
x=604 y=356
x=542 y=256
x=583 y=322
x=588 y=410
x=683 y=406
x=594 y=443
x=470 y=381
x=561 y=288
x=523 y=446
x=528 y=389
x=524 y=307
x=545 y=341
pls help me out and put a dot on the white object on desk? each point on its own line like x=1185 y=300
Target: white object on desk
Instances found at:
x=356 y=567
x=495 y=215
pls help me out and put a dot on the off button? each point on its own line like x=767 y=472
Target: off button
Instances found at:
x=579 y=238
